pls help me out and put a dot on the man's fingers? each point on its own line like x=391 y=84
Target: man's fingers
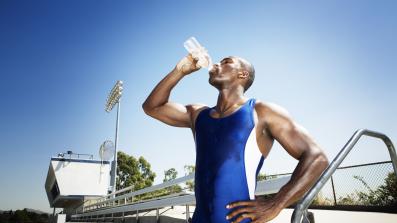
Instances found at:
x=194 y=58
x=239 y=211
x=244 y=216
x=240 y=203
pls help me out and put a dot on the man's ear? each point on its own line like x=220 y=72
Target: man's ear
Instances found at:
x=243 y=74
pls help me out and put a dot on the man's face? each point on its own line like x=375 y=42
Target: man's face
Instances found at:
x=224 y=72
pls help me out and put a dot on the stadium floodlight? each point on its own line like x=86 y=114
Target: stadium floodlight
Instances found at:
x=114 y=96
x=113 y=99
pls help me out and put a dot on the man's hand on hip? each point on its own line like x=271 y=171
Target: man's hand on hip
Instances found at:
x=260 y=210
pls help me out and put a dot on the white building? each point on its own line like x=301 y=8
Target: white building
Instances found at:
x=72 y=181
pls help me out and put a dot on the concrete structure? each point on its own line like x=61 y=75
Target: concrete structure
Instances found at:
x=71 y=182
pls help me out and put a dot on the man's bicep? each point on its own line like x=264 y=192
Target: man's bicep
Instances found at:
x=293 y=137
x=173 y=114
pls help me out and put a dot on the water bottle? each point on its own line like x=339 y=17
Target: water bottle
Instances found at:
x=194 y=48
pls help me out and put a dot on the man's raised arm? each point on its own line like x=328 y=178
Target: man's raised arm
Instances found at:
x=157 y=105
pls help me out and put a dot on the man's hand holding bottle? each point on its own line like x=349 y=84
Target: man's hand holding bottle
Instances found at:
x=188 y=65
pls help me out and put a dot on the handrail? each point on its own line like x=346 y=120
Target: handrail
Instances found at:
x=304 y=203
x=108 y=198
x=263 y=187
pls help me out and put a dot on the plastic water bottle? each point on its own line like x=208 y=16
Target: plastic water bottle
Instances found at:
x=194 y=48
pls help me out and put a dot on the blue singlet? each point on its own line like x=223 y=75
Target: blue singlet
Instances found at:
x=227 y=163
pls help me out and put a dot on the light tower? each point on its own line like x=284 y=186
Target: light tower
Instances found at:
x=113 y=99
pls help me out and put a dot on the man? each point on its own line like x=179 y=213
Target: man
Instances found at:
x=232 y=139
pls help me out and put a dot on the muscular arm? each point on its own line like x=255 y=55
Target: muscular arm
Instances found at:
x=299 y=144
x=157 y=104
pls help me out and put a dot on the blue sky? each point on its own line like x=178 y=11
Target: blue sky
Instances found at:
x=332 y=65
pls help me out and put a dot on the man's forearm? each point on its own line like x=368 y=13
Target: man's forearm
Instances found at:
x=306 y=173
x=161 y=93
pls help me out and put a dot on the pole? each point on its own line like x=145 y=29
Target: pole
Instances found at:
x=53 y=216
x=113 y=180
x=187 y=213
x=333 y=190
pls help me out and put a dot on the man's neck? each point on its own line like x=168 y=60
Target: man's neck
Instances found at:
x=229 y=99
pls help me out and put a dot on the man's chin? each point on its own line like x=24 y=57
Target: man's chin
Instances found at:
x=214 y=82
x=211 y=81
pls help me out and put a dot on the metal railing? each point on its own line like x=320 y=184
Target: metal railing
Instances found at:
x=303 y=204
x=122 y=196
x=71 y=154
x=118 y=204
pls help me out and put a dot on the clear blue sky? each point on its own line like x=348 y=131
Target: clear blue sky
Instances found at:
x=332 y=65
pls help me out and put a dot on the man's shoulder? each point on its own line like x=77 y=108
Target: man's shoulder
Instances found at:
x=195 y=109
x=196 y=106
x=264 y=108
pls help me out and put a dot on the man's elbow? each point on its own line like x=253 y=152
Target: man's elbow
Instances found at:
x=322 y=160
x=316 y=156
x=147 y=108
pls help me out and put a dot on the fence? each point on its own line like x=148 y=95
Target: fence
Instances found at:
x=365 y=187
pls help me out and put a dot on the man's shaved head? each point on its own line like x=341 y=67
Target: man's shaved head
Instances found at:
x=247 y=66
x=232 y=70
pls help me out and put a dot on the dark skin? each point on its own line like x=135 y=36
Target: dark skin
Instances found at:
x=271 y=123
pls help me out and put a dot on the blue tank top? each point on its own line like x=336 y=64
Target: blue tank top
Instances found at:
x=227 y=163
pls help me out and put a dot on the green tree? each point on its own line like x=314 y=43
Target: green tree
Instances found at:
x=188 y=170
x=384 y=195
x=169 y=175
x=133 y=172
x=320 y=199
x=23 y=216
x=389 y=190
x=20 y=216
x=5 y=216
x=349 y=199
